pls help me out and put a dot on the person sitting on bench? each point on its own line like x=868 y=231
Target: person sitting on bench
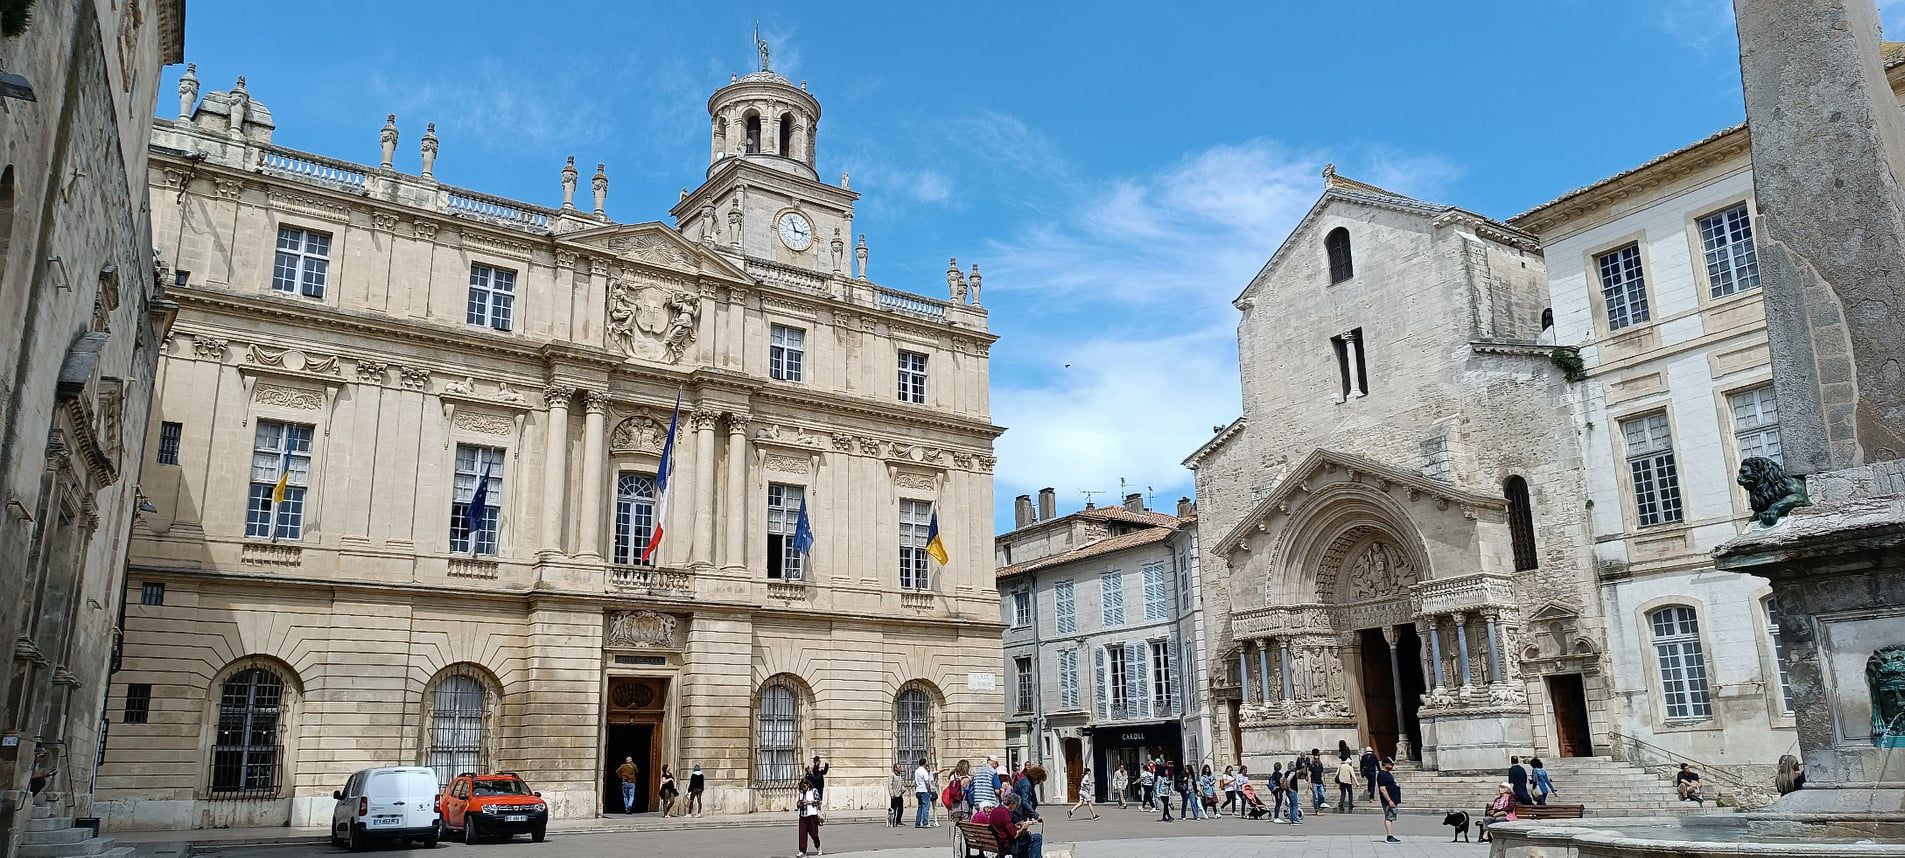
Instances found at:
x=1502 y=809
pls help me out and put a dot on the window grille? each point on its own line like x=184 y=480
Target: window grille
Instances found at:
x=634 y=516
x=471 y=463
x=777 y=737
x=1779 y=655
x=169 y=442
x=152 y=593
x=1021 y=609
x=915 y=522
x=1155 y=598
x=1164 y=690
x=1623 y=288
x=1342 y=266
x=492 y=301
x=1756 y=422
x=912 y=727
x=303 y=262
x=1111 y=586
x=784 y=561
x=458 y=732
x=1650 y=462
x=1065 y=608
x=138 y=703
x=1521 y=523
x=786 y=352
x=912 y=378
x=1732 y=262
x=247 y=750
x=1683 y=669
x=277 y=448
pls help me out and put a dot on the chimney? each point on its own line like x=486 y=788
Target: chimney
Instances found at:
x=1047 y=504
x=1134 y=502
x=1185 y=509
x=1022 y=511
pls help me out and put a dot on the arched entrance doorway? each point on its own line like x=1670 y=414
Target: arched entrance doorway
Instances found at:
x=1366 y=577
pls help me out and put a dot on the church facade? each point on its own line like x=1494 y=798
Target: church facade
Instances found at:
x=408 y=460
x=1392 y=539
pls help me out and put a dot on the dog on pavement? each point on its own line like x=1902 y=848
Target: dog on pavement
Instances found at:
x=1458 y=820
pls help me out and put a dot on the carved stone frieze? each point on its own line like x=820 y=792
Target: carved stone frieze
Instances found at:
x=371 y=372
x=639 y=433
x=209 y=348
x=483 y=423
x=652 y=318
x=641 y=629
x=425 y=229
x=308 y=206
x=285 y=397
x=919 y=482
x=412 y=378
x=785 y=464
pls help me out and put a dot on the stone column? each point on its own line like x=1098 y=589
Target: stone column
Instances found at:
x=1352 y=349
x=1494 y=650
x=1283 y=658
x=734 y=506
x=1263 y=671
x=1390 y=636
x=1461 y=640
x=1243 y=671
x=595 y=454
x=702 y=548
x=771 y=135
x=555 y=466
x=1435 y=649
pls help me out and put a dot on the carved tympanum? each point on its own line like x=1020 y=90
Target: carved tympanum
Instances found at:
x=641 y=628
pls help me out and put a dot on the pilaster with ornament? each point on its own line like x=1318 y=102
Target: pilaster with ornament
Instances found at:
x=701 y=547
x=595 y=455
x=555 y=467
x=734 y=504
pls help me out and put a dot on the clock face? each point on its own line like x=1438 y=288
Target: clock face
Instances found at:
x=795 y=231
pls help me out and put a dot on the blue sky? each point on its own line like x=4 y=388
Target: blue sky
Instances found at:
x=1117 y=169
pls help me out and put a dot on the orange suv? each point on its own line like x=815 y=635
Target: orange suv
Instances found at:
x=478 y=806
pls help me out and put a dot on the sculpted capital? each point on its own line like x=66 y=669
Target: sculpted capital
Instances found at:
x=596 y=401
x=557 y=395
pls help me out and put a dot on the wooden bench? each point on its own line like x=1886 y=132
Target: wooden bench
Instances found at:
x=1532 y=811
x=978 y=841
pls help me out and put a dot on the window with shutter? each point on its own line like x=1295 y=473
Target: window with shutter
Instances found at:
x=1134 y=672
x=1102 y=699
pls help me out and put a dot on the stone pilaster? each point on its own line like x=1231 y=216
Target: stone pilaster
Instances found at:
x=555 y=473
x=595 y=454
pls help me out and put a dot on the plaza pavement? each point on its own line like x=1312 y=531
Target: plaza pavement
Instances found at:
x=1118 y=834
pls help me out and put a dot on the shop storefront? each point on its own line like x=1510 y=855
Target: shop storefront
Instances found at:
x=1132 y=745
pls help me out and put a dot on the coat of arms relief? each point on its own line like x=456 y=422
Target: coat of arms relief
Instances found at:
x=651 y=318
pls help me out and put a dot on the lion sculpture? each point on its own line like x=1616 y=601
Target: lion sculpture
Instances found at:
x=1772 y=492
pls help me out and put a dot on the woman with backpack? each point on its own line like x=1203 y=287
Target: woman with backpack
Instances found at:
x=957 y=795
x=1085 y=786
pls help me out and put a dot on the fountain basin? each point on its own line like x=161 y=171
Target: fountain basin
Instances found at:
x=1771 y=835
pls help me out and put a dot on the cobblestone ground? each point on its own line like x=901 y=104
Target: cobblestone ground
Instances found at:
x=1118 y=834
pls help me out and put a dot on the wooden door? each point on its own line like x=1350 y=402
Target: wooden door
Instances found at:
x=1074 y=768
x=1569 y=697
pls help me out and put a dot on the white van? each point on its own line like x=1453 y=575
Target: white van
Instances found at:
x=394 y=803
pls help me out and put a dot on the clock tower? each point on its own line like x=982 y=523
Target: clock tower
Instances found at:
x=763 y=198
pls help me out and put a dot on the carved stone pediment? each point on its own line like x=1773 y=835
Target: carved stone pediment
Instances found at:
x=644 y=629
x=639 y=433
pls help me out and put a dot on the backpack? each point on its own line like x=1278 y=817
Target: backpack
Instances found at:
x=953 y=794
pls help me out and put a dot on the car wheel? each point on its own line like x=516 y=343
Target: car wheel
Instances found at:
x=429 y=842
x=356 y=843
x=538 y=833
x=469 y=831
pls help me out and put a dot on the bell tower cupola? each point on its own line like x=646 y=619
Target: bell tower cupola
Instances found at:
x=764 y=118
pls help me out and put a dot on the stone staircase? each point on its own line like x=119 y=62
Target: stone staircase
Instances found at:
x=49 y=836
x=1608 y=787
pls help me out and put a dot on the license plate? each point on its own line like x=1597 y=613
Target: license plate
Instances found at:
x=386 y=820
x=517 y=818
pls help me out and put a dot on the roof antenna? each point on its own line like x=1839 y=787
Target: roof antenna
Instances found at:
x=1088 y=493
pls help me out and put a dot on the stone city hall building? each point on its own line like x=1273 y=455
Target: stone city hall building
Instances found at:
x=369 y=345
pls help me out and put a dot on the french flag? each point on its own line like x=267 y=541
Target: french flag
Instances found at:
x=664 y=477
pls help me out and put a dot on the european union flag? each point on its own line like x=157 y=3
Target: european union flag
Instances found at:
x=804 y=531
x=477 y=513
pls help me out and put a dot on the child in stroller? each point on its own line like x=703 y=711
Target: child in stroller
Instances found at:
x=1252 y=804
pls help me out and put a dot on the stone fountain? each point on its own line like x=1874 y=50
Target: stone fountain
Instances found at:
x=1829 y=163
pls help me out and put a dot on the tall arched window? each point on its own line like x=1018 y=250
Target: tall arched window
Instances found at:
x=1521 y=523
x=753 y=133
x=777 y=735
x=1342 y=267
x=458 y=729
x=787 y=136
x=1683 y=667
x=248 y=750
x=634 y=516
x=912 y=727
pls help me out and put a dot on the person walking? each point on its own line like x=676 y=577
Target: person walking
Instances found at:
x=985 y=785
x=818 y=771
x=1237 y=782
x=809 y=807
x=1295 y=778
x=1518 y=780
x=1369 y=765
x=1161 y=785
x=1120 y=781
x=697 y=783
x=1227 y=782
x=1147 y=785
x=1542 y=786
x=629 y=775
x=1277 y=793
x=922 y=790
x=1345 y=786
x=1319 y=793
x=1085 y=792
x=897 y=785
x=1391 y=794
x=1189 y=806
x=1342 y=751
x=669 y=791
x=1207 y=792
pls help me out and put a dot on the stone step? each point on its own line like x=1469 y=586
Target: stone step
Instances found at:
x=42 y=811
x=48 y=823
x=55 y=836
x=93 y=846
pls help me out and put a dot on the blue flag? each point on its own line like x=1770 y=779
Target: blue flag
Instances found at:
x=804 y=531
x=474 y=514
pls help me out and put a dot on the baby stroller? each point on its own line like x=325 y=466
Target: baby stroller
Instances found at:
x=1252 y=804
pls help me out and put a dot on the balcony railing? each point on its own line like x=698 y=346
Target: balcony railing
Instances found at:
x=789 y=277
x=315 y=169
x=904 y=302
x=484 y=207
x=651 y=580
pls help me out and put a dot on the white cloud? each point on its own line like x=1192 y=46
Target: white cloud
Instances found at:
x=1705 y=26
